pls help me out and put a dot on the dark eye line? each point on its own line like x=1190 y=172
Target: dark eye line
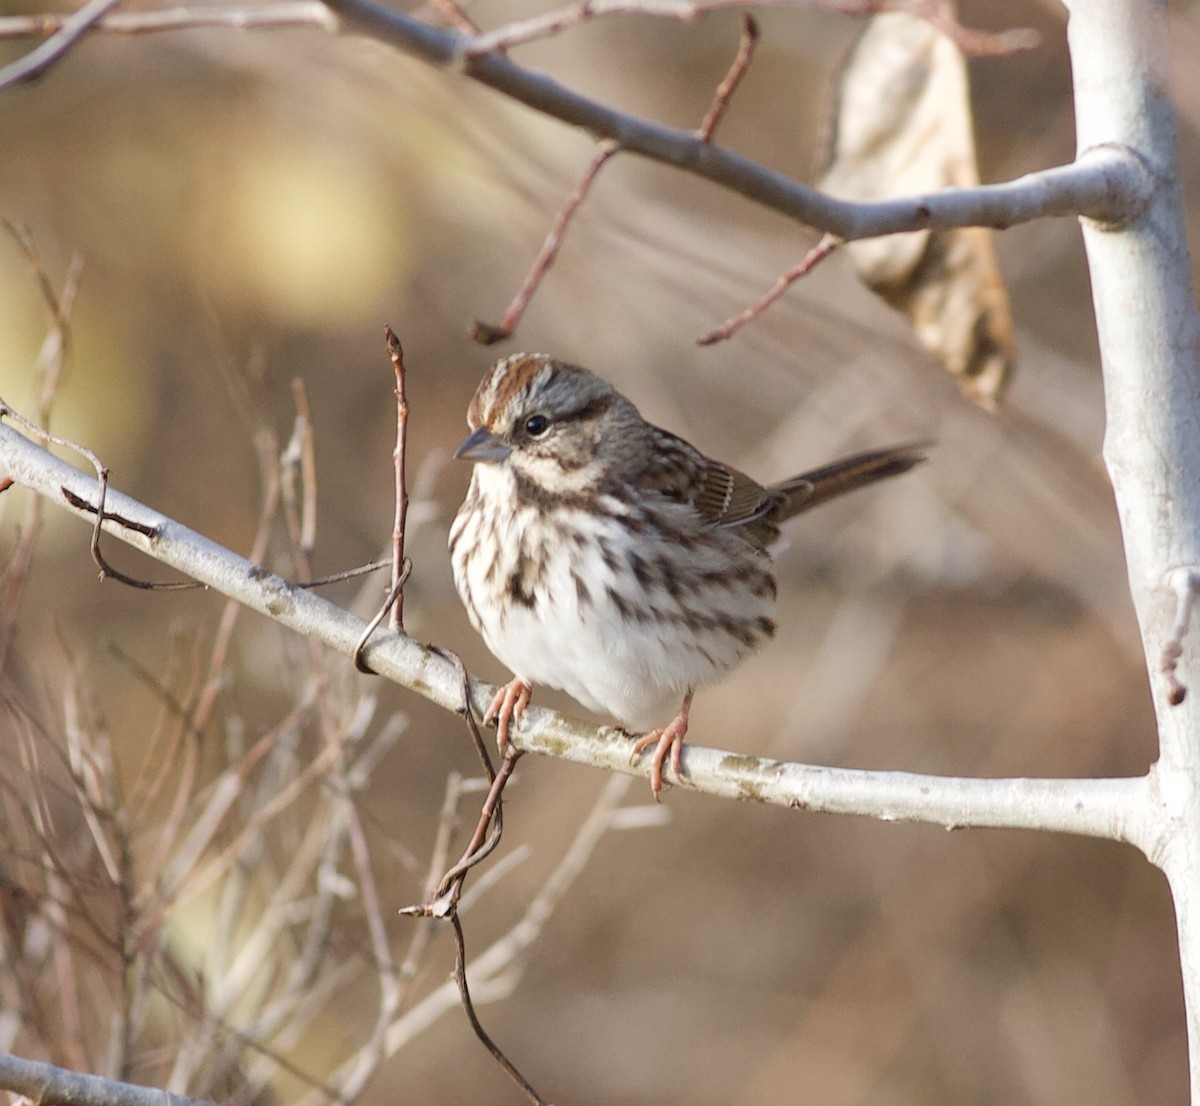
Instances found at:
x=538 y=424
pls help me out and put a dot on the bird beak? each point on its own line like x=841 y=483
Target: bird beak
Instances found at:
x=483 y=445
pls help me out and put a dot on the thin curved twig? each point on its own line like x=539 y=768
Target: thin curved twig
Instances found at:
x=488 y=333
x=460 y=978
x=828 y=244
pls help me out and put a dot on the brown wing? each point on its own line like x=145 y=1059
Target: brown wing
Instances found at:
x=720 y=495
x=725 y=497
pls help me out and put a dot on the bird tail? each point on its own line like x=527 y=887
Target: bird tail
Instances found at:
x=810 y=489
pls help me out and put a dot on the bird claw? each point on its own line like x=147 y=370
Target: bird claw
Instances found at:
x=507 y=704
x=667 y=740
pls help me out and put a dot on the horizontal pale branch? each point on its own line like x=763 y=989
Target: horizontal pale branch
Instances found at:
x=51 y=1086
x=1108 y=184
x=1093 y=807
x=1112 y=808
x=291 y=13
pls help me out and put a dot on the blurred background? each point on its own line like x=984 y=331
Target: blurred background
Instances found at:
x=251 y=208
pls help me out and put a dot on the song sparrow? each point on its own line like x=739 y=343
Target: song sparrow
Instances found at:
x=608 y=558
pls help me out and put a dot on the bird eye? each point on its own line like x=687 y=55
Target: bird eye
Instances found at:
x=536 y=425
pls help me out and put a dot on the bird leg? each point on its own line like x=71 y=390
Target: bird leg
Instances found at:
x=507 y=704
x=667 y=740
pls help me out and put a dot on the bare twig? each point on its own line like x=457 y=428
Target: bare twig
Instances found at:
x=464 y=711
x=492 y=876
x=51 y=358
x=452 y=13
x=359 y=653
x=55 y=48
x=486 y=333
x=180 y=760
x=82 y=503
x=726 y=89
x=184 y=872
x=401 y=565
x=385 y=966
x=90 y=775
x=107 y=572
x=268 y=974
x=478 y=849
x=347 y=574
x=400 y=569
x=299 y=458
x=493 y=969
x=482 y=843
x=50 y=365
x=496 y=969
x=537 y=27
x=444 y=902
x=811 y=260
x=460 y=978
x=439 y=855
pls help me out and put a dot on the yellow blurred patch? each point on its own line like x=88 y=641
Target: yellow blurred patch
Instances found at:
x=308 y=235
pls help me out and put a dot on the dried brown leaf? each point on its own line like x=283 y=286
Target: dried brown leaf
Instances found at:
x=903 y=127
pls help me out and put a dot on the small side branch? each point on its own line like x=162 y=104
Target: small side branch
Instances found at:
x=486 y=333
x=726 y=89
x=810 y=261
x=393 y=605
x=400 y=566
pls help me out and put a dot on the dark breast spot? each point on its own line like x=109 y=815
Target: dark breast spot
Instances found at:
x=519 y=591
x=640 y=569
x=581 y=589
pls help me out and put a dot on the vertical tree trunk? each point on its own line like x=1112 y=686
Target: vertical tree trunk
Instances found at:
x=1150 y=350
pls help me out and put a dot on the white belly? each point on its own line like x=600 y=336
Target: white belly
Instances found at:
x=568 y=611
